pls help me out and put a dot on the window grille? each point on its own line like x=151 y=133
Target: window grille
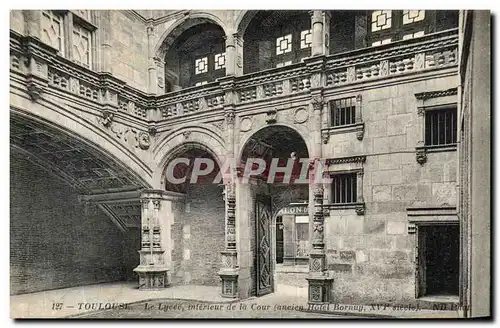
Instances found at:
x=344 y=188
x=440 y=127
x=343 y=111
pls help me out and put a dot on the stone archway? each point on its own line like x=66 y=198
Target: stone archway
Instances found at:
x=66 y=194
x=277 y=146
x=188 y=52
x=198 y=230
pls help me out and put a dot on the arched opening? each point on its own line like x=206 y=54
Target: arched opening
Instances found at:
x=279 y=209
x=355 y=29
x=195 y=54
x=66 y=229
x=198 y=233
x=275 y=38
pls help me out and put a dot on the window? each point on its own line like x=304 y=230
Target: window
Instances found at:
x=301 y=236
x=209 y=67
x=386 y=26
x=201 y=65
x=70 y=33
x=343 y=111
x=53 y=30
x=81 y=45
x=344 y=188
x=292 y=47
x=440 y=126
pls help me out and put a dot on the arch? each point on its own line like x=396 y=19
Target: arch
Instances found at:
x=303 y=134
x=175 y=143
x=243 y=20
x=169 y=36
x=55 y=117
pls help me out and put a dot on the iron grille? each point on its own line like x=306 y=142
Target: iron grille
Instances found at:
x=343 y=111
x=344 y=188
x=441 y=127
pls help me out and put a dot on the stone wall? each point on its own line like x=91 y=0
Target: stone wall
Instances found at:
x=129 y=49
x=55 y=241
x=198 y=237
x=372 y=256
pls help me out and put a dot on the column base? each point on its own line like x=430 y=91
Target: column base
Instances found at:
x=229 y=286
x=152 y=277
x=320 y=289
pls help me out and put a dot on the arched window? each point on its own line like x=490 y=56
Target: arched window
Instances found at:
x=276 y=39
x=197 y=57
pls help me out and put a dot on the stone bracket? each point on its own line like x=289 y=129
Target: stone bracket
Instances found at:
x=421 y=155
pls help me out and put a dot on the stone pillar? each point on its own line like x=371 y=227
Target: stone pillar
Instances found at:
x=157 y=217
x=318 y=35
x=106 y=33
x=152 y=77
x=230 y=54
x=229 y=271
x=33 y=21
x=320 y=284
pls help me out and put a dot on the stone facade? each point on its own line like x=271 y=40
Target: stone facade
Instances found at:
x=122 y=110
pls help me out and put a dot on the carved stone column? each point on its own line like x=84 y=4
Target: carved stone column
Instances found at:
x=229 y=271
x=320 y=284
x=157 y=217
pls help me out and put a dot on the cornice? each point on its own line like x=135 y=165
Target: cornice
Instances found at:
x=436 y=94
x=343 y=160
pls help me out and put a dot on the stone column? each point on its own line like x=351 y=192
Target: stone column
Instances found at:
x=33 y=21
x=157 y=217
x=320 y=284
x=106 y=35
x=229 y=271
x=152 y=77
x=318 y=35
x=230 y=55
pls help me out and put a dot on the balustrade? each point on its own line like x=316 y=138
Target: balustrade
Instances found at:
x=434 y=51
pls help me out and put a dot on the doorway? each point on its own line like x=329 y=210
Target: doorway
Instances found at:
x=439 y=258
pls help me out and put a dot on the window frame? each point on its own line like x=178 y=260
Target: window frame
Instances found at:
x=297 y=53
x=354 y=187
x=212 y=73
x=70 y=18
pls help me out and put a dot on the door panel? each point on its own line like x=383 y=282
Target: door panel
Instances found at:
x=264 y=274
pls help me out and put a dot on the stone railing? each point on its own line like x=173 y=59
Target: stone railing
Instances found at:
x=272 y=83
x=432 y=51
x=43 y=68
x=191 y=100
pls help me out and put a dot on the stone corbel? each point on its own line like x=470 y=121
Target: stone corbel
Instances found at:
x=271 y=116
x=421 y=155
x=360 y=209
x=152 y=129
x=360 y=131
x=107 y=117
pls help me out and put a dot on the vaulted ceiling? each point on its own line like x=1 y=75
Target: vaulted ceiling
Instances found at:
x=88 y=170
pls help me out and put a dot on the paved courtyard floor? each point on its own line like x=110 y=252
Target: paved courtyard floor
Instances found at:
x=124 y=301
